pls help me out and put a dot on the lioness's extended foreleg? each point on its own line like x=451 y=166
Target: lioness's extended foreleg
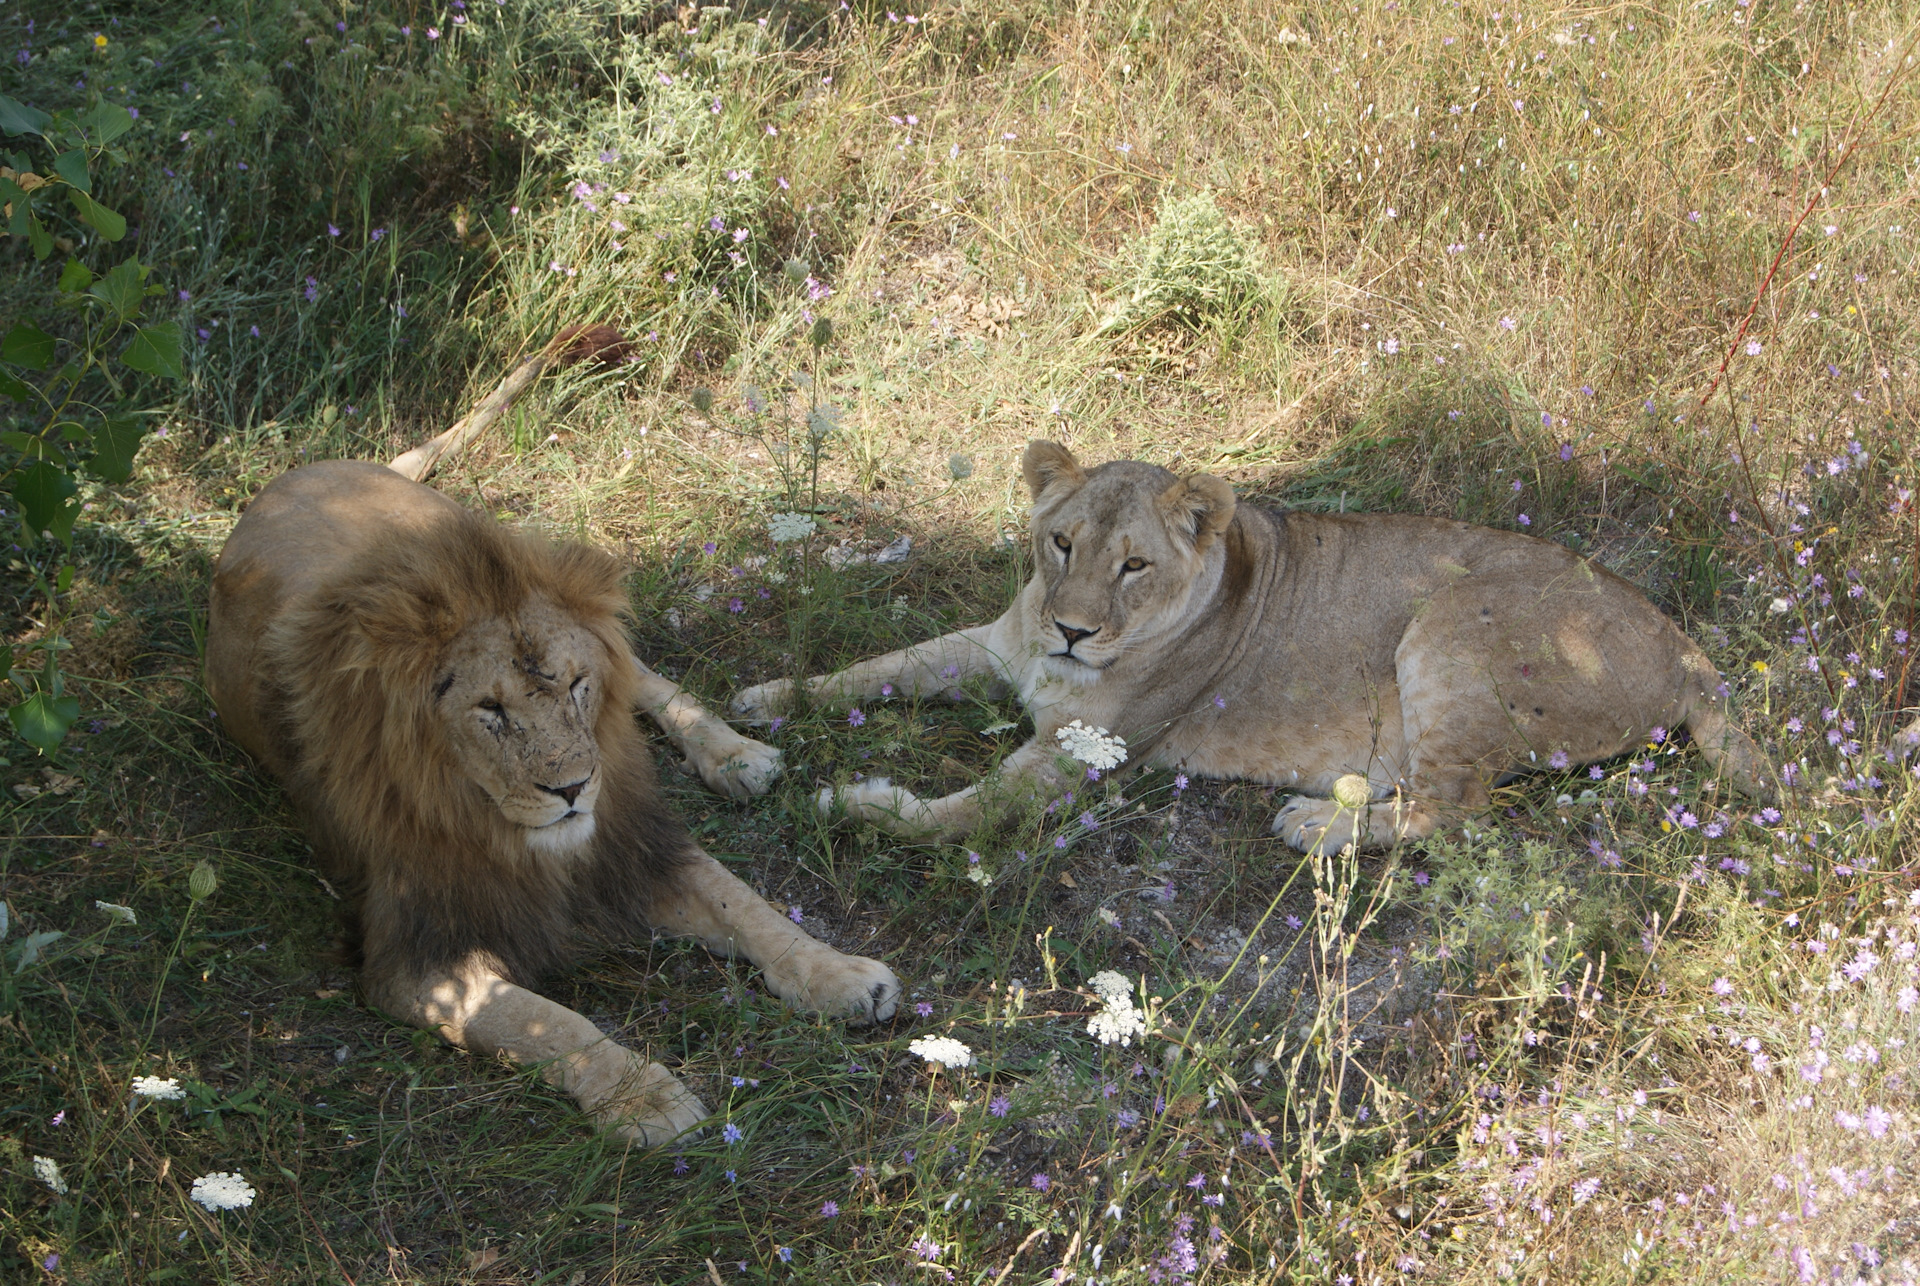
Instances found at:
x=731 y=919
x=920 y=670
x=728 y=762
x=473 y=1007
x=1027 y=771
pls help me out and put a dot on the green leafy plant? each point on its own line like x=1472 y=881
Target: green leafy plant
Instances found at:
x=73 y=412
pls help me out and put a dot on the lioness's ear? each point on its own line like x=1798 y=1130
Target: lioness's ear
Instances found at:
x=1199 y=507
x=1047 y=463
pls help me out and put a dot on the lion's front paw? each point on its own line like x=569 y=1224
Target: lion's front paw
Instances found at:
x=841 y=986
x=738 y=766
x=761 y=702
x=1314 y=824
x=640 y=1101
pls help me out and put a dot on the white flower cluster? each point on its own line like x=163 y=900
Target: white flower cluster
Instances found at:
x=1118 y=1021
x=1094 y=747
x=166 y=1088
x=785 y=528
x=124 y=914
x=47 y=1170
x=222 y=1191
x=942 y=1051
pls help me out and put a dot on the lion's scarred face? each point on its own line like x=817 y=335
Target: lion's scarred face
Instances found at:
x=518 y=699
x=1120 y=549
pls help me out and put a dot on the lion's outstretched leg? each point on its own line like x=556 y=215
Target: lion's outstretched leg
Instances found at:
x=473 y=1007
x=731 y=919
x=920 y=670
x=728 y=762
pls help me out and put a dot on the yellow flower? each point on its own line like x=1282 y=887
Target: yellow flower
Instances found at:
x=1760 y=667
x=99 y=42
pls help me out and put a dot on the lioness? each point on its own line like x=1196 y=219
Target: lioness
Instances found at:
x=1433 y=658
x=449 y=704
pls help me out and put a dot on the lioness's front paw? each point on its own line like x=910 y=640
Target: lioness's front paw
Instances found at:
x=879 y=802
x=1309 y=824
x=823 y=980
x=737 y=766
x=761 y=702
x=640 y=1101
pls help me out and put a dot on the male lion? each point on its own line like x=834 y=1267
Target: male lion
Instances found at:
x=1433 y=658
x=450 y=705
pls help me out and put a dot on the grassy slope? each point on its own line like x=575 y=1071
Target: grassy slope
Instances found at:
x=1503 y=257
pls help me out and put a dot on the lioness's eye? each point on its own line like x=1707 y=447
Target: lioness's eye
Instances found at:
x=1133 y=565
x=491 y=706
x=1061 y=543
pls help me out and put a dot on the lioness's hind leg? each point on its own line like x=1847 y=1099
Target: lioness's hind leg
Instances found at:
x=731 y=919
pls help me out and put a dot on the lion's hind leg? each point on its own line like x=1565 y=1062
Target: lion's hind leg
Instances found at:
x=473 y=1007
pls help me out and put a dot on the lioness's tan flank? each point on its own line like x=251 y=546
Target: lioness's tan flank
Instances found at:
x=1433 y=658
x=450 y=705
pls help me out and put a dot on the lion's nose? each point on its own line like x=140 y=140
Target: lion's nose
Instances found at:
x=1073 y=635
x=568 y=793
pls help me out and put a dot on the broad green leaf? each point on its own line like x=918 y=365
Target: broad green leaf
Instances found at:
x=75 y=277
x=42 y=720
x=106 y=222
x=14 y=387
x=63 y=580
x=45 y=493
x=72 y=166
x=30 y=445
x=114 y=445
x=155 y=349
x=18 y=118
x=122 y=289
x=14 y=196
x=29 y=346
x=38 y=237
x=107 y=121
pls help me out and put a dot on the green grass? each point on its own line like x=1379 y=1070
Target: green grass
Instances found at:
x=1502 y=311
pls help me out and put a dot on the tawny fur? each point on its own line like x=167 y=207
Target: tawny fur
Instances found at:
x=1432 y=658
x=450 y=705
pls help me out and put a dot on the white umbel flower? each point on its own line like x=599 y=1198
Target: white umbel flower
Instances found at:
x=47 y=1170
x=1119 y=1020
x=222 y=1191
x=1094 y=747
x=124 y=914
x=942 y=1051
x=165 y=1088
x=786 y=528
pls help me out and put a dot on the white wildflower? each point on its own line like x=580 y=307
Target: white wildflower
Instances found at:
x=980 y=875
x=167 y=1088
x=942 y=1051
x=124 y=914
x=47 y=1170
x=1094 y=747
x=222 y=1191
x=789 y=527
x=1118 y=1021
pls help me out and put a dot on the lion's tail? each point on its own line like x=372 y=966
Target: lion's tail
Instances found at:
x=1729 y=750
x=574 y=344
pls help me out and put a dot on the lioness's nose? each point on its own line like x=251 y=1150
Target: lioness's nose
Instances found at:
x=568 y=793
x=1073 y=635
